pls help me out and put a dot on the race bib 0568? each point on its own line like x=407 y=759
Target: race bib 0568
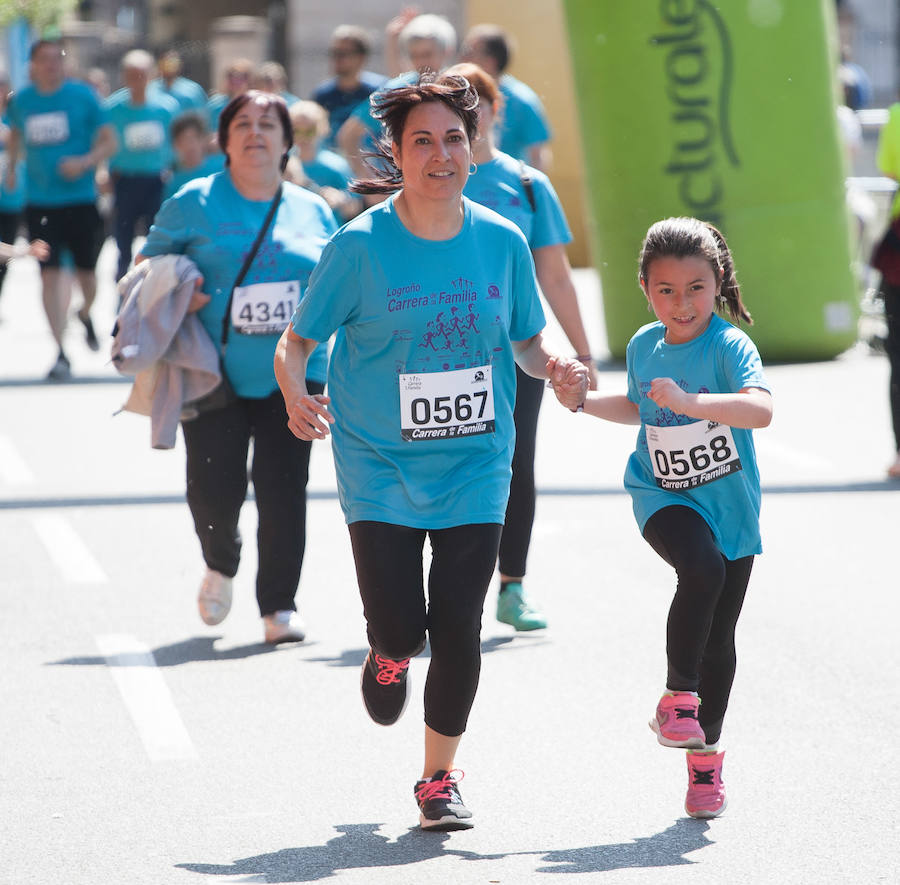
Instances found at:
x=691 y=455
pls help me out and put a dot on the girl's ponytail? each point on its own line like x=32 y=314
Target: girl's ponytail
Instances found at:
x=730 y=290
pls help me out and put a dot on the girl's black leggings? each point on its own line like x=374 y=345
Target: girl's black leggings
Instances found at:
x=389 y=570
x=704 y=612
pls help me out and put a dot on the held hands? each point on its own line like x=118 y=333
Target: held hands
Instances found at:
x=38 y=249
x=569 y=379
x=668 y=395
x=308 y=417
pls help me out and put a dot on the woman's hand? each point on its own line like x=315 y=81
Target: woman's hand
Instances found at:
x=199 y=299
x=308 y=417
x=569 y=379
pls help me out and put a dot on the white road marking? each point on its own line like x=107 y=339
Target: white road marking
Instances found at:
x=147 y=698
x=69 y=553
x=13 y=469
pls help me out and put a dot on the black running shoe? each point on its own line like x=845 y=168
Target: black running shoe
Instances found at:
x=385 y=687
x=89 y=332
x=61 y=370
x=440 y=804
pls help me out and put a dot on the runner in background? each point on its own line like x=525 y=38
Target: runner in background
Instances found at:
x=141 y=122
x=420 y=409
x=237 y=80
x=190 y=96
x=525 y=196
x=424 y=42
x=12 y=202
x=348 y=51
x=64 y=133
x=190 y=142
x=696 y=387
x=523 y=129
x=315 y=167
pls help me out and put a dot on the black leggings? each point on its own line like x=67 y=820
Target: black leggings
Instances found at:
x=217 y=444
x=892 y=347
x=389 y=570
x=516 y=536
x=704 y=612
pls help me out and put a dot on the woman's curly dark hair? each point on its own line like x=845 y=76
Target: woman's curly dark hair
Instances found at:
x=393 y=106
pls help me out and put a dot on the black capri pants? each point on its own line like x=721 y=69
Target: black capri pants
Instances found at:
x=217 y=445
x=389 y=570
x=704 y=612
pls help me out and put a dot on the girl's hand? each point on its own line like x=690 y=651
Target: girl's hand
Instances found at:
x=668 y=395
x=308 y=418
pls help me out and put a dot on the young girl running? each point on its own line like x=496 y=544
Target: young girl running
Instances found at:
x=696 y=386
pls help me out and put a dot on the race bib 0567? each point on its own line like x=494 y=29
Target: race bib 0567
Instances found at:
x=446 y=405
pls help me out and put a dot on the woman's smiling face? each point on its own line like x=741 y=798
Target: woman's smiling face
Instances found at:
x=434 y=153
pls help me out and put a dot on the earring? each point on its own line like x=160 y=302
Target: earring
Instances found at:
x=473 y=169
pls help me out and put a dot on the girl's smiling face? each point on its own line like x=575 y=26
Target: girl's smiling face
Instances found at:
x=682 y=293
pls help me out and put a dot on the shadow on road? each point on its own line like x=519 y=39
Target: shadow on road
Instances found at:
x=199 y=648
x=354 y=657
x=360 y=846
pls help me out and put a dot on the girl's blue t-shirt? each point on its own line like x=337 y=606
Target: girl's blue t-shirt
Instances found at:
x=54 y=126
x=211 y=223
x=721 y=360
x=406 y=310
x=498 y=185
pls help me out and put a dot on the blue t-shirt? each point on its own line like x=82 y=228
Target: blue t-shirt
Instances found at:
x=214 y=108
x=419 y=308
x=211 y=223
x=145 y=146
x=523 y=121
x=211 y=164
x=498 y=185
x=190 y=96
x=10 y=201
x=56 y=125
x=329 y=169
x=721 y=360
x=339 y=104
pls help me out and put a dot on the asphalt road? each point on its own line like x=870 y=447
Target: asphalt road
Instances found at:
x=139 y=746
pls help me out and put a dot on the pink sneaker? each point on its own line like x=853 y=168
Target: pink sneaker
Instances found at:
x=706 y=792
x=675 y=722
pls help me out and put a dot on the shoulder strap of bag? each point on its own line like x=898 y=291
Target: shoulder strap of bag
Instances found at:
x=226 y=320
x=527 y=185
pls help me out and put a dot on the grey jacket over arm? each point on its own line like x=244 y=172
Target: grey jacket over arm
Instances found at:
x=166 y=349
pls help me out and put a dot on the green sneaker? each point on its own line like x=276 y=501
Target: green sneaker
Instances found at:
x=514 y=609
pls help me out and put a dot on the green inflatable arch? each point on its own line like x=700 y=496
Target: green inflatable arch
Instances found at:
x=723 y=110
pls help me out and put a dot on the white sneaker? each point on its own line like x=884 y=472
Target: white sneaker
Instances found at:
x=284 y=627
x=214 y=599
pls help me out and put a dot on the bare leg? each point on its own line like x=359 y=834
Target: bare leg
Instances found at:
x=440 y=752
x=87 y=279
x=56 y=302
